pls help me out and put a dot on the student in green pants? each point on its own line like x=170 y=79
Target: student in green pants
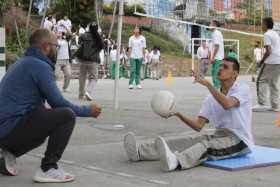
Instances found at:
x=217 y=52
x=113 y=55
x=113 y=70
x=122 y=70
x=137 y=45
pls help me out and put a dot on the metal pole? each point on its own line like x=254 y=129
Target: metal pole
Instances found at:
x=192 y=54
x=28 y=18
x=113 y=18
x=44 y=13
x=119 y=39
x=238 y=51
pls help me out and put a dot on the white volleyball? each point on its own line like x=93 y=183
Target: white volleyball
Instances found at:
x=163 y=103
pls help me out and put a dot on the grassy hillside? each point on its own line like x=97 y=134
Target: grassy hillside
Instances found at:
x=167 y=45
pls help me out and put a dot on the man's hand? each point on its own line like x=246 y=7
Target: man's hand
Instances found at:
x=198 y=79
x=95 y=110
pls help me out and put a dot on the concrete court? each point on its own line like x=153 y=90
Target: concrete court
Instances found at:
x=97 y=158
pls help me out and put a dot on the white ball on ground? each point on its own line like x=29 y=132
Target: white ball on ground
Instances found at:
x=163 y=103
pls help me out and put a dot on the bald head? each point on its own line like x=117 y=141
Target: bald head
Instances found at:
x=46 y=41
x=39 y=37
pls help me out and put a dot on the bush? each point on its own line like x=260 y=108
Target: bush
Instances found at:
x=13 y=50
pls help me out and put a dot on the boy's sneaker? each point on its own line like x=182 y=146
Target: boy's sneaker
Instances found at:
x=88 y=96
x=130 y=86
x=260 y=108
x=53 y=176
x=168 y=160
x=8 y=165
x=131 y=147
x=138 y=86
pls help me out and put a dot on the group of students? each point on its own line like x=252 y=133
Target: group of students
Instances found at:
x=135 y=63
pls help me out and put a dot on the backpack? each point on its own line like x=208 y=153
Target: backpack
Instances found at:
x=88 y=50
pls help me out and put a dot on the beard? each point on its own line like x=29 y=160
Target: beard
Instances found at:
x=52 y=56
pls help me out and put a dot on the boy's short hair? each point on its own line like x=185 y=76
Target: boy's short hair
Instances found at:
x=236 y=65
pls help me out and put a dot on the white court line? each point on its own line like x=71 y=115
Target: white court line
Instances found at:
x=96 y=168
x=67 y=161
x=125 y=174
x=159 y=182
x=38 y=155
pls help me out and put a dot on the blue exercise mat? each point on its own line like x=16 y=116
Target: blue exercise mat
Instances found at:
x=260 y=157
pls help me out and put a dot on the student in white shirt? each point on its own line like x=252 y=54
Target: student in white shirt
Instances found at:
x=137 y=45
x=155 y=63
x=144 y=72
x=270 y=70
x=68 y=24
x=203 y=57
x=217 y=52
x=81 y=30
x=258 y=55
x=62 y=63
x=64 y=25
x=228 y=110
x=48 y=23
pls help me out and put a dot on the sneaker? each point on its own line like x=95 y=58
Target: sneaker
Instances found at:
x=260 y=108
x=8 y=165
x=53 y=176
x=168 y=160
x=88 y=96
x=131 y=147
x=130 y=86
x=274 y=109
x=138 y=86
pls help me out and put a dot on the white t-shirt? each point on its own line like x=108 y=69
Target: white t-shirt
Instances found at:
x=137 y=44
x=48 y=25
x=258 y=53
x=217 y=38
x=61 y=26
x=68 y=24
x=202 y=52
x=113 y=55
x=53 y=21
x=237 y=119
x=146 y=57
x=271 y=38
x=102 y=57
x=81 y=31
x=155 y=56
x=64 y=25
x=63 y=51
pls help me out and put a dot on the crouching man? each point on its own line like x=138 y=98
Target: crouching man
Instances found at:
x=25 y=122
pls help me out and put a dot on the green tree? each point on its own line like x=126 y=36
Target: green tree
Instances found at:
x=4 y=6
x=128 y=9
